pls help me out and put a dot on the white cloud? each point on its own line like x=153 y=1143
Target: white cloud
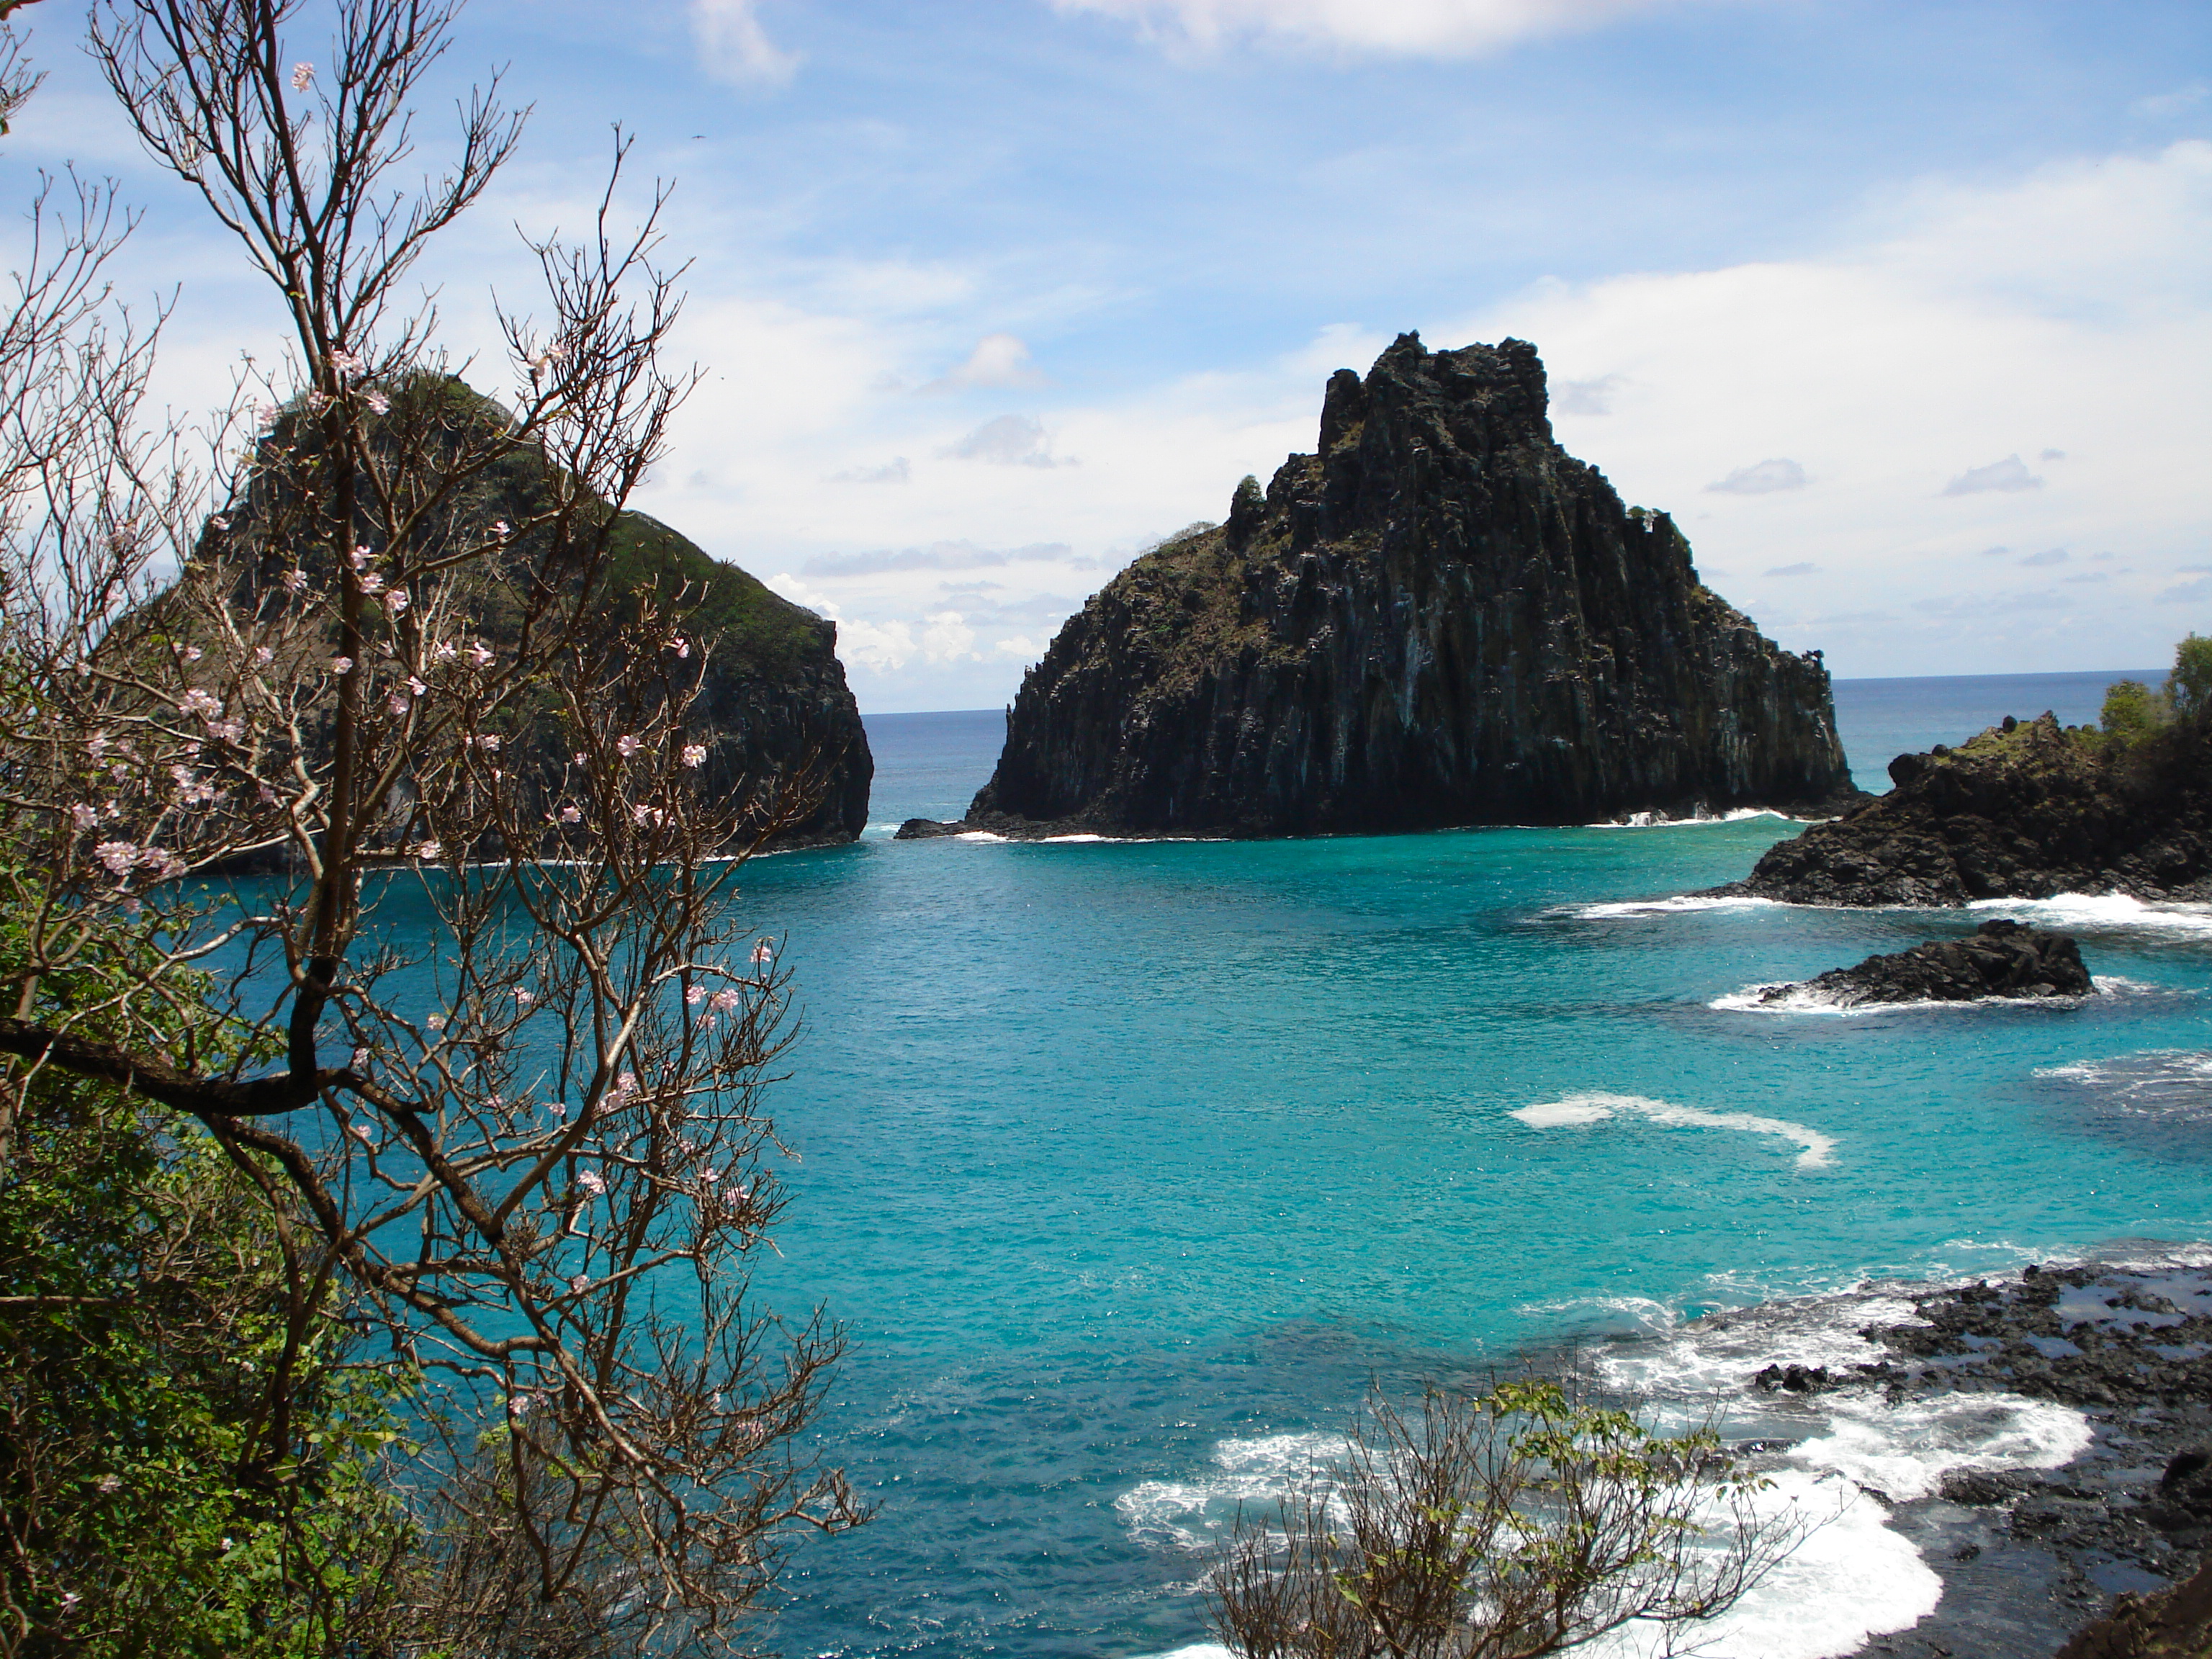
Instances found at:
x=1445 y=29
x=1764 y=479
x=1955 y=324
x=2010 y=473
x=1802 y=569
x=2070 y=303
x=1585 y=397
x=998 y=360
x=735 y=48
x=1009 y=440
x=2044 y=560
x=940 y=556
x=895 y=471
x=2167 y=106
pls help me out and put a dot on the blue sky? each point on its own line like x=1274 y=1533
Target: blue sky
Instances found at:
x=1904 y=310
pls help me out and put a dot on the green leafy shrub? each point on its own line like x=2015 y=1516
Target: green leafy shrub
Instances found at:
x=2189 y=688
x=2132 y=712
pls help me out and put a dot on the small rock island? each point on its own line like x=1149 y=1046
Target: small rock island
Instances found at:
x=2001 y=958
x=1439 y=618
x=2025 y=810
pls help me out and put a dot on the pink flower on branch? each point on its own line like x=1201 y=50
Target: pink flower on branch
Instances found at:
x=303 y=76
x=590 y=1180
x=695 y=755
x=377 y=403
x=121 y=857
x=627 y=745
x=341 y=665
x=480 y=654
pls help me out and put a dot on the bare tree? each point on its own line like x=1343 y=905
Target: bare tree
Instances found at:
x=1511 y=1525
x=489 y=1033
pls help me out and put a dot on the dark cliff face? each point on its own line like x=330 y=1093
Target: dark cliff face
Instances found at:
x=773 y=698
x=2024 y=813
x=772 y=703
x=1440 y=619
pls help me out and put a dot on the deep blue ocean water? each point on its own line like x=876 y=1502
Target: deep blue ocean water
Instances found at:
x=1128 y=1164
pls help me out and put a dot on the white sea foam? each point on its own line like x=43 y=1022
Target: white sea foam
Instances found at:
x=1086 y=837
x=1802 y=997
x=1903 y=1451
x=2172 y=1084
x=1250 y=1473
x=977 y=834
x=1661 y=821
x=1663 y=907
x=2111 y=911
x=1849 y=1578
x=1815 y=1153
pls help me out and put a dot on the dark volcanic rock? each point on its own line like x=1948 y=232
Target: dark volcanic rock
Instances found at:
x=2000 y=959
x=2019 y=813
x=772 y=704
x=2046 y=1550
x=1440 y=619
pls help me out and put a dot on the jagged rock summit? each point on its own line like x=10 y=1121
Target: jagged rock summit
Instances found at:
x=1440 y=619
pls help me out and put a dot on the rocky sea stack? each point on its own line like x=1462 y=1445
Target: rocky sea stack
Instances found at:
x=772 y=709
x=2024 y=811
x=1999 y=959
x=1440 y=619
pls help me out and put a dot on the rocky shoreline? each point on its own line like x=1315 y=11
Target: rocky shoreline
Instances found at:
x=2024 y=810
x=2029 y=1557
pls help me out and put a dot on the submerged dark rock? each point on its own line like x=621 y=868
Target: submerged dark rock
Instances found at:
x=2000 y=959
x=2022 y=813
x=1440 y=619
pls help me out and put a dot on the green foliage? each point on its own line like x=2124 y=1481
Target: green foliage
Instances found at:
x=2132 y=712
x=2189 y=688
x=1524 y=1521
x=186 y=1464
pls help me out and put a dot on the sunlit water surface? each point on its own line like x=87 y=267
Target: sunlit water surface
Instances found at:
x=1128 y=1166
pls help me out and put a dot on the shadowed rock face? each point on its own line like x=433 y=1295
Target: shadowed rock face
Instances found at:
x=1440 y=619
x=2023 y=813
x=772 y=706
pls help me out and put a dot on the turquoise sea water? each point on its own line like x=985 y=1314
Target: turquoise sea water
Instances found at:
x=1126 y=1164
